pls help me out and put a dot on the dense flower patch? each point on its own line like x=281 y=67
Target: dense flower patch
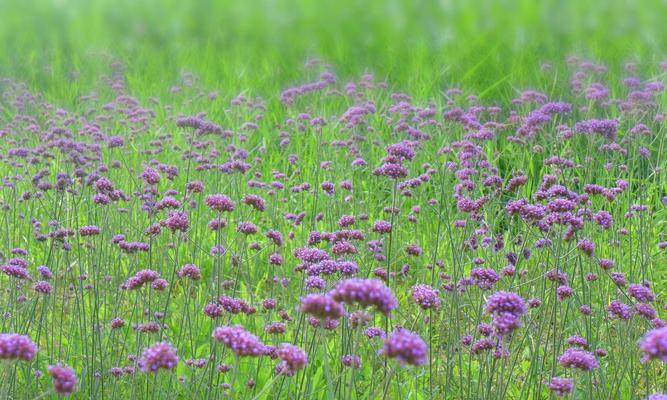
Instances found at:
x=336 y=240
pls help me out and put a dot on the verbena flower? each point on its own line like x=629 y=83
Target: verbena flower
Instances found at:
x=64 y=379
x=321 y=305
x=367 y=292
x=161 y=355
x=654 y=345
x=579 y=359
x=15 y=346
x=293 y=359
x=240 y=341
x=405 y=346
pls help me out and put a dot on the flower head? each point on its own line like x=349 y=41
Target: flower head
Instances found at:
x=405 y=346
x=161 y=355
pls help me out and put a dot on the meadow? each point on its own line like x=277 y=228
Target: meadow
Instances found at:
x=333 y=200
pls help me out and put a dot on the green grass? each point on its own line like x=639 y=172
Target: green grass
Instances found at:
x=491 y=47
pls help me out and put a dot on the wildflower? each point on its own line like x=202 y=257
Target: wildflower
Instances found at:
x=177 y=221
x=619 y=310
x=191 y=271
x=220 y=203
x=405 y=346
x=579 y=359
x=641 y=293
x=64 y=379
x=425 y=296
x=561 y=386
x=160 y=355
x=240 y=341
x=293 y=359
x=350 y=360
x=586 y=246
x=484 y=278
x=381 y=226
x=14 y=346
x=322 y=306
x=367 y=292
x=43 y=287
x=505 y=302
x=654 y=345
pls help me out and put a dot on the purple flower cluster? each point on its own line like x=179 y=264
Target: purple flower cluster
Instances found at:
x=506 y=309
x=64 y=379
x=19 y=347
x=561 y=386
x=191 y=271
x=579 y=359
x=240 y=341
x=366 y=292
x=426 y=296
x=322 y=306
x=654 y=345
x=160 y=355
x=405 y=346
x=293 y=359
x=220 y=203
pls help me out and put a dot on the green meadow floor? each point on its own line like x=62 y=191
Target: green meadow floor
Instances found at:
x=490 y=47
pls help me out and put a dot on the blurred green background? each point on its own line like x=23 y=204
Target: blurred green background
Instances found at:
x=422 y=45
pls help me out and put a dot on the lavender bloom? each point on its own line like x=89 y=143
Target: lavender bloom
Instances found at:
x=641 y=293
x=508 y=302
x=483 y=344
x=140 y=278
x=426 y=296
x=646 y=311
x=619 y=310
x=405 y=346
x=485 y=278
x=159 y=355
x=220 y=203
x=293 y=359
x=45 y=272
x=586 y=246
x=505 y=323
x=654 y=345
x=177 y=221
x=350 y=360
x=579 y=359
x=506 y=309
x=89 y=230
x=394 y=171
x=402 y=150
x=367 y=292
x=577 y=341
x=240 y=341
x=191 y=271
x=563 y=292
x=15 y=271
x=255 y=202
x=322 y=306
x=234 y=305
x=381 y=226
x=373 y=332
x=604 y=127
x=14 y=346
x=43 y=287
x=150 y=176
x=247 y=228
x=64 y=379
x=561 y=386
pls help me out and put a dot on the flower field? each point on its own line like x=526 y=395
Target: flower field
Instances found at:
x=218 y=218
